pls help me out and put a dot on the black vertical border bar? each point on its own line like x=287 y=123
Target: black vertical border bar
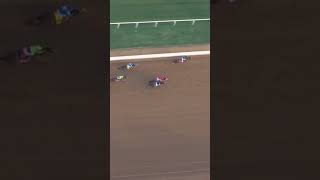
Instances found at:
x=212 y=70
x=213 y=73
x=266 y=90
x=54 y=117
x=108 y=85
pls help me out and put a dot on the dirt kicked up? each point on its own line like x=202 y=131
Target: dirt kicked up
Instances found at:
x=162 y=132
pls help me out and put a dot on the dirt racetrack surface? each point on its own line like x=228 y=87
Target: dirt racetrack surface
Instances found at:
x=161 y=132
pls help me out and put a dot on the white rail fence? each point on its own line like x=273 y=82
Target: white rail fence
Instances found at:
x=157 y=22
x=158 y=56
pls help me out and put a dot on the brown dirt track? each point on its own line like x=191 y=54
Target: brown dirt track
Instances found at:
x=165 y=130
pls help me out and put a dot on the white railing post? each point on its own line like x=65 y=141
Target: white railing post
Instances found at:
x=156 y=22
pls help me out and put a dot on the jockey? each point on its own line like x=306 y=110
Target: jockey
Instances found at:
x=34 y=50
x=162 y=79
x=130 y=66
x=25 y=54
x=65 y=12
x=120 y=77
x=184 y=59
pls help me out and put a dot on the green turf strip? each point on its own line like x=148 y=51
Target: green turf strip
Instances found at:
x=165 y=34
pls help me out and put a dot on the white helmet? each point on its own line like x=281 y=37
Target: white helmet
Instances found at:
x=156 y=83
x=130 y=65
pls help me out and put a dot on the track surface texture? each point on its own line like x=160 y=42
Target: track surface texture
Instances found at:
x=163 y=132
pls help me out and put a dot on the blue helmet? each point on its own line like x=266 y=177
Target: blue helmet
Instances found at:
x=67 y=10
